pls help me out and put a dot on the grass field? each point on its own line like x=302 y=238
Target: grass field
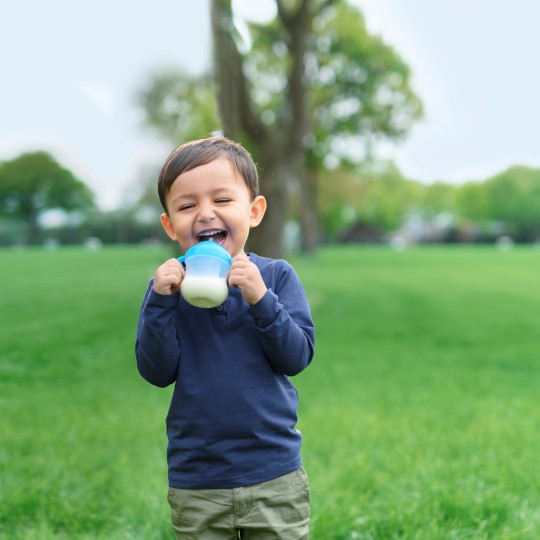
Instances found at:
x=420 y=412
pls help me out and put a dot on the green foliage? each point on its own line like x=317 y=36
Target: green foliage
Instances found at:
x=419 y=412
x=179 y=106
x=380 y=197
x=389 y=197
x=34 y=182
x=511 y=198
x=437 y=198
x=358 y=87
x=514 y=198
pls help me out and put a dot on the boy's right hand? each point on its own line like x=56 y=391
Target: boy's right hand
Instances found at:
x=168 y=277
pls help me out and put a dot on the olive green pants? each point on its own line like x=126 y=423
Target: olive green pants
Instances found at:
x=273 y=510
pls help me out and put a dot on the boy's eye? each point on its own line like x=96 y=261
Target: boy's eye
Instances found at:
x=186 y=207
x=223 y=200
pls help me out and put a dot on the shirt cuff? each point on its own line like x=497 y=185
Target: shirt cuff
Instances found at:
x=162 y=300
x=266 y=310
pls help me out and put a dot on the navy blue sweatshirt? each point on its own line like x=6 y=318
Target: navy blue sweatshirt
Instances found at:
x=233 y=413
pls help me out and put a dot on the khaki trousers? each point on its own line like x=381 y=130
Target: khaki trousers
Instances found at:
x=273 y=510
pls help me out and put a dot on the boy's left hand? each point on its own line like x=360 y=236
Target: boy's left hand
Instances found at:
x=246 y=276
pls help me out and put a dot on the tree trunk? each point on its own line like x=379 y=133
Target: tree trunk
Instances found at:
x=237 y=117
x=227 y=67
x=267 y=239
x=279 y=148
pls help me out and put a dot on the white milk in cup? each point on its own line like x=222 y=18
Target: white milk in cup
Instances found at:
x=205 y=282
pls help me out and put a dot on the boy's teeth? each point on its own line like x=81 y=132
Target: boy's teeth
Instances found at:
x=217 y=235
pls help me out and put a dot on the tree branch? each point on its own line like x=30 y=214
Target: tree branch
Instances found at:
x=288 y=18
x=234 y=101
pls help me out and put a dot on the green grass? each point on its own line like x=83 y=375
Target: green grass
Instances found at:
x=420 y=412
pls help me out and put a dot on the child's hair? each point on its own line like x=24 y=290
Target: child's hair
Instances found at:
x=202 y=151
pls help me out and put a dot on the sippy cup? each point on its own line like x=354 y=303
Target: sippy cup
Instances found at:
x=205 y=282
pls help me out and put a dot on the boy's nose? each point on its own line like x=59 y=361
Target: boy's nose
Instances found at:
x=206 y=213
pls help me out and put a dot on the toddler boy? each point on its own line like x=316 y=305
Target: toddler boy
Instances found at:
x=235 y=468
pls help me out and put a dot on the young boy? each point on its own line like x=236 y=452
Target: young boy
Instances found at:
x=235 y=469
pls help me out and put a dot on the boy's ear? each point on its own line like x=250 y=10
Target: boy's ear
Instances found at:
x=258 y=208
x=168 y=226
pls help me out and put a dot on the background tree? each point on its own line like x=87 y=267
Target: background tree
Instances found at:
x=389 y=198
x=378 y=197
x=34 y=183
x=359 y=93
x=180 y=106
x=308 y=94
x=274 y=134
x=508 y=202
x=438 y=198
x=514 y=198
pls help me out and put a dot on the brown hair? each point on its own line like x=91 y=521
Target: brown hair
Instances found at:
x=202 y=151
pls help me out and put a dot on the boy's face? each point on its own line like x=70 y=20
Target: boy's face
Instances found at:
x=212 y=202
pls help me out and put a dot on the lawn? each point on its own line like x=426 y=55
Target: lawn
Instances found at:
x=419 y=413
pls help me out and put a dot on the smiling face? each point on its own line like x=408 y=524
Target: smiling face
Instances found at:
x=212 y=202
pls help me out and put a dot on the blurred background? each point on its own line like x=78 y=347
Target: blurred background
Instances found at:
x=413 y=122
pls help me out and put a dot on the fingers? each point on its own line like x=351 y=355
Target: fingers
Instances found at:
x=168 y=277
x=241 y=268
x=247 y=277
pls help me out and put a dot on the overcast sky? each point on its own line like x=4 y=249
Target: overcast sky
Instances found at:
x=70 y=72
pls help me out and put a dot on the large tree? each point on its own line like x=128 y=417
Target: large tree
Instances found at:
x=273 y=133
x=312 y=90
x=35 y=182
x=307 y=92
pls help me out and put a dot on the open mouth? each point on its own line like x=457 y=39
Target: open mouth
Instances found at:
x=216 y=235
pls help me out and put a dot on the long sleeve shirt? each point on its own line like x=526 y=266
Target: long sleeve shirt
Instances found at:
x=233 y=413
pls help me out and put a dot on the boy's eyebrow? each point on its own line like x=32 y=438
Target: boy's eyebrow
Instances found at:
x=216 y=191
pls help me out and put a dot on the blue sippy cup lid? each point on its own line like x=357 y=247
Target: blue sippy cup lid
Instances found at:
x=207 y=248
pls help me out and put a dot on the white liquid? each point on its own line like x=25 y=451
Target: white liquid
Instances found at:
x=205 y=292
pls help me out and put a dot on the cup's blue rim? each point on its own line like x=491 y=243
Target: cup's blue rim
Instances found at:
x=207 y=248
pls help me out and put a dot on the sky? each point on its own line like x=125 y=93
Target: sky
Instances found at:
x=71 y=71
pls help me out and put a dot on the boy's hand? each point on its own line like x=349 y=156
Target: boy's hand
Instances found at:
x=168 y=277
x=246 y=276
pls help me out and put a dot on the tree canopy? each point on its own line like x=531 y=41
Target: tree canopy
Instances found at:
x=180 y=106
x=305 y=92
x=35 y=182
x=308 y=93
